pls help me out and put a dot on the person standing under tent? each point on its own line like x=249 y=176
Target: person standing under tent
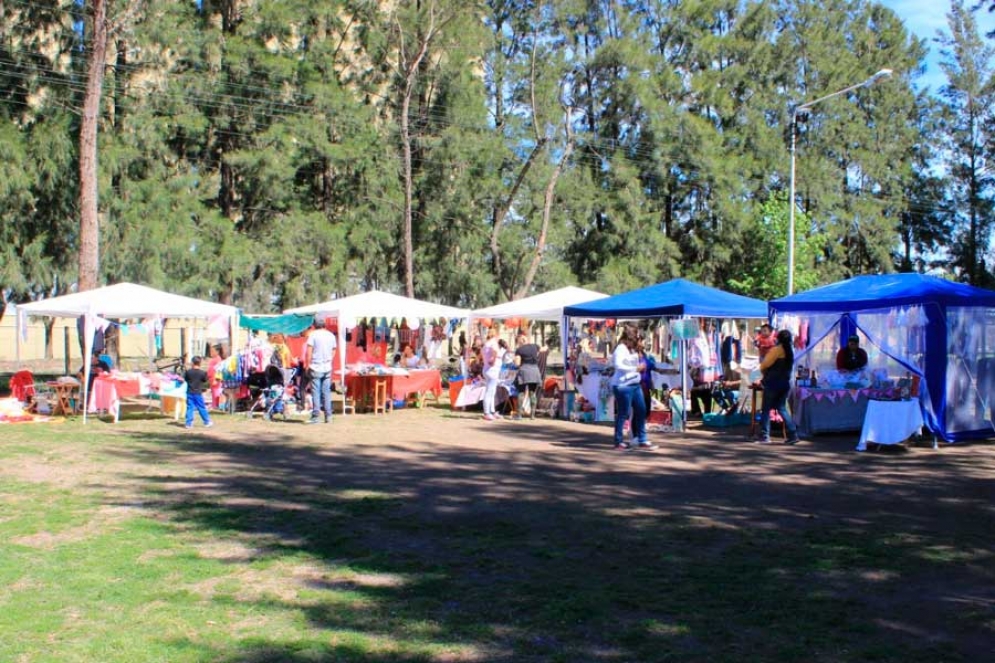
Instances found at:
x=776 y=368
x=627 y=389
x=492 y=355
x=527 y=380
x=319 y=350
x=196 y=379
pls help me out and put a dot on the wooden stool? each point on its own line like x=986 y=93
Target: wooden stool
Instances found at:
x=381 y=399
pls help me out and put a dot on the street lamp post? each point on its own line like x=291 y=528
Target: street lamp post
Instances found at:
x=795 y=113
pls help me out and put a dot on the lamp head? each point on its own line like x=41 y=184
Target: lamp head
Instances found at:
x=884 y=73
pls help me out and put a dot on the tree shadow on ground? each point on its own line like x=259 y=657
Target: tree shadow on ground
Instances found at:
x=558 y=549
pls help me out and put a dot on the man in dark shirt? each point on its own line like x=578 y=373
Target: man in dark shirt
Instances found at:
x=196 y=379
x=852 y=357
x=97 y=367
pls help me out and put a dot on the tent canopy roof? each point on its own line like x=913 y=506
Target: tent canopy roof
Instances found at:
x=544 y=306
x=382 y=305
x=883 y=291
x=672 y=298
x=126 y=300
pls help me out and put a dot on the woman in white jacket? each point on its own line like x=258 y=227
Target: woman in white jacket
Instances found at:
x=626 y=388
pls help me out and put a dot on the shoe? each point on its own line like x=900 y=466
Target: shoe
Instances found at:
x=188 y=426
x=313 y=420
x=209 y=424
x=328 y=420
x=762 y=440
x=792 y=440
x=646 y=446
x=623 y=446
x=488 y=417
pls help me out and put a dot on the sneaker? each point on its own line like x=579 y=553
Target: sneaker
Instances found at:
x=188 y=426
x=623 y=446
x=313 y=420
x=209 y=424
x=646 y=446
x=762 y=440
x=488 y=417
x=792 y=440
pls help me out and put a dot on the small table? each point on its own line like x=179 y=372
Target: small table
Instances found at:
x=65 y=394
x=890 y=422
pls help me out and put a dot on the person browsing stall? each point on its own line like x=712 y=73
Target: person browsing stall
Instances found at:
x=852 y=357
x=197 y=383
x=627 y=389
x=776 y=369
x=318 y=352
x=97 y=367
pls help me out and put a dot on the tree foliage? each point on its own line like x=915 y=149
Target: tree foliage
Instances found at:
x=271 y=154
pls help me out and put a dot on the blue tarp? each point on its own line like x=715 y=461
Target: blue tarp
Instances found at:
x=863 y=293
x=954 y=343
x=678 y=297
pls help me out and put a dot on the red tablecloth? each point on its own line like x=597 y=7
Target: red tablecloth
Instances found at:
x=360 y=386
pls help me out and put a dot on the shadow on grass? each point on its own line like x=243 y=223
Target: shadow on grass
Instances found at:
x=710 y=549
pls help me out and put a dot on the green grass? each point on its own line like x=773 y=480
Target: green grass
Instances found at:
x=125 y=548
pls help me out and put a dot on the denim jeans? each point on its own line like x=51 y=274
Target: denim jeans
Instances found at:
x=195 y=402
x=776 y=398
x=629 y=398
x=321 y=394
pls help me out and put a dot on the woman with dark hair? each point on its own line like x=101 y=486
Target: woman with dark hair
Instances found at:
x=776 y=368
x=628 y=392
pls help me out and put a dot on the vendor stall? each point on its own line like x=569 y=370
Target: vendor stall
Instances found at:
x=676 y=299
x=348 y=310
x=936 y=336
x=100 y=307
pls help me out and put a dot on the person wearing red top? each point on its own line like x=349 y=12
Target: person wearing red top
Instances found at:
x=764 y=341
x=852 y=357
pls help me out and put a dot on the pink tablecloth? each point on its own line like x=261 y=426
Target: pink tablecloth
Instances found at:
x=108 y=391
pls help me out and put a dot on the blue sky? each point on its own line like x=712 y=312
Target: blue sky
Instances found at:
x=923 y=18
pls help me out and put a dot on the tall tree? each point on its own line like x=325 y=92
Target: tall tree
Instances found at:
x=968 y=122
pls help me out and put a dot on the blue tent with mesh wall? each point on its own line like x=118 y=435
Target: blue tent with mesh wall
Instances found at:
x=934 y=328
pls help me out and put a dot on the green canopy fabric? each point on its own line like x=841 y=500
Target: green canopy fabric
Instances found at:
x=291 y=323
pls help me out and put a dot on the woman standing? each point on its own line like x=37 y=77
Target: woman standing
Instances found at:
x=492 y=373
x=776 y=369
x=628 y=392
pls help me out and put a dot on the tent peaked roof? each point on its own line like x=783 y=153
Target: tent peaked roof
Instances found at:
x=127 y=300
x=381 y=304
x=672 y=298
x=881 y=291
x=544 y=306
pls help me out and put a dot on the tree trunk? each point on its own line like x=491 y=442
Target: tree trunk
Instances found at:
x=89 y=222
x=547 y=212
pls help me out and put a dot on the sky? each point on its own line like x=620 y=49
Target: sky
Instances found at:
x=923 y=18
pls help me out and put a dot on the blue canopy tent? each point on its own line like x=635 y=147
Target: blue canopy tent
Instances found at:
x=934 y=328
x=677 y=298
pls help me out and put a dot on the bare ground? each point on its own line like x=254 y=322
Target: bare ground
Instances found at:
x=933 y=511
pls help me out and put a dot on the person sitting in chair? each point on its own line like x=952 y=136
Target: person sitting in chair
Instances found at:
x=852 y=357
x=97 y=367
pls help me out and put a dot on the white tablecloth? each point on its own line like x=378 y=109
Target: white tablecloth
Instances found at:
x=890 y=422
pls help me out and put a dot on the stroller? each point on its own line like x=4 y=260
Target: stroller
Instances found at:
x=278 y=392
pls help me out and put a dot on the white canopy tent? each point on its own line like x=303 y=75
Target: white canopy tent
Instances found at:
x=121 y=300
x=347 y=310
x=545 y=307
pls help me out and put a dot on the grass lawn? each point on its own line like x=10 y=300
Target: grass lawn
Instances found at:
x=422 y=536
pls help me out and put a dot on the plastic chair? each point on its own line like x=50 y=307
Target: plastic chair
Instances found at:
x=381 y=398
x=22 y=386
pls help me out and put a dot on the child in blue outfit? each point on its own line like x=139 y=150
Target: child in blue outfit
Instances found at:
x=196 y=379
